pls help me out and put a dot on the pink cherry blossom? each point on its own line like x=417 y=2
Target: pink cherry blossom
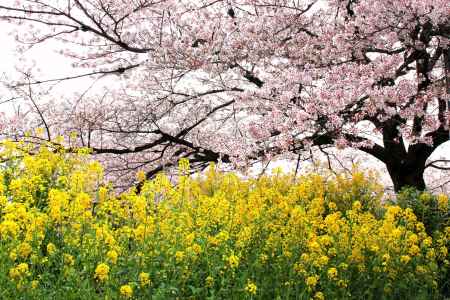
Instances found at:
x=240 y=80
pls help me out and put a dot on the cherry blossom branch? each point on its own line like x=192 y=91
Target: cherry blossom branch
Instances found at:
x=433 y=164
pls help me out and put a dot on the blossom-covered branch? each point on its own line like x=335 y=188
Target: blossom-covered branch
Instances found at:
x=246 y=79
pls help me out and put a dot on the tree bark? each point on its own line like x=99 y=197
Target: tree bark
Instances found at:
x=406 y=165
x=406 y=174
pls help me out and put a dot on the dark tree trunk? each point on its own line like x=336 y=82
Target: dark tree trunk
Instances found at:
x=405 y=165
x=406 y=174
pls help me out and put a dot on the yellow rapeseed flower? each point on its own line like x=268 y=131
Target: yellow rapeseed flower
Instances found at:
x=101 y=272
x=139 y=233
x=425 y=197
x=209 y=281
x=374 y=248
x=24 y=250
x=431 y=254
x=144 y=279
x=357 y=205
x=140 y=176
x=311 y=281
x=179 y=256
x=342 y=283
x=332 y=206
x=13 y=255
x=102 y=194
x=319 y=296
x=323 y=260
x=68 y=259
x=263 y=258
x=34 y=284
x=410 y=216
x=14 y=273
x=196 y=248
x=427 y=242
x=251 y=288
x=420 y=227
x=20 y=271
x=421 y=270
x=112 y=256
x=233 y=261
x=126 y=291
x=414 y=250
x=314 y=246
x=404 y=259
x=442 y=200
x=413 y=239
x=332 y=273
x=51 y=248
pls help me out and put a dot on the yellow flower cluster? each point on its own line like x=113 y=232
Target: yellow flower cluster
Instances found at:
x=144 y=279
x=126 y=291
x=233 y=261
x=215 y=235
x=19 y=272
x=101 y=272
x=251 y=288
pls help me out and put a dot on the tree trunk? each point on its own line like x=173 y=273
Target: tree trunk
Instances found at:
x=405 y=165
x=406 y=174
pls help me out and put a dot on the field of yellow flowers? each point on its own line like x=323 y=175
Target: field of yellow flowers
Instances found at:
x=64 y=234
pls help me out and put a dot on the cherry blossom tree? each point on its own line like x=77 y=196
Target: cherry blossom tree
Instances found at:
x=242 y=80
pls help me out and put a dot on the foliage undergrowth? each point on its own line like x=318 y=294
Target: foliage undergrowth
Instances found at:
x=64 y=235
